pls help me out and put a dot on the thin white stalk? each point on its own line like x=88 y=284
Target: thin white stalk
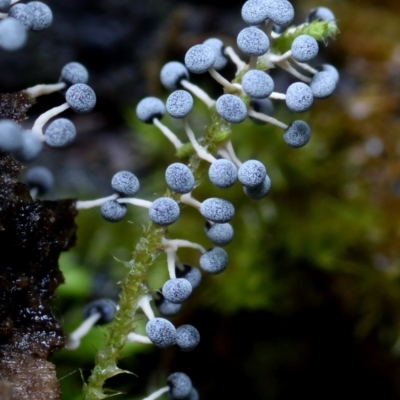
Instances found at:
x=240 y=64
x=198 y=92
x=41 y=89
x=228 y=86
x=85 y=204
x=267 y=118
x=224 y=154
x=267 y=28
x=171 y=256
x=74 y=339
x=289 y=68
x=136 y=202
x=157 y=394
x=144 y=305
x=34 y=193
x=201 y=151
x=275 y=35
x=179 y=264
x=179 y=243
x=190 y=201
x=277 y=96
x=276 y=59
x=45 y=117
x=305 y=66
x=168 y=133
x=253 y=62
x=226 y=149
x=137 y=338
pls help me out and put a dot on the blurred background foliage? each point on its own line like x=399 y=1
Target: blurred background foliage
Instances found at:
x=310 y=301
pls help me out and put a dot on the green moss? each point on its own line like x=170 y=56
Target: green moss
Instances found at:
x=319 y=30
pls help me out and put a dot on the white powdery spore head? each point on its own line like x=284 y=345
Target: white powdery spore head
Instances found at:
x=297 y=134
x=113 y=211
x=331 y=69
x=321 y=14
x=161 y=332
x=31 y=146
x=179 y=103
x=217 y=44
x=187 y=337
x=179 y=178
x=219 y=234
x=10 y=135
x=13 y=34
x=280 y=12
x=180 y=385
x=171 y=75
x=255 y=12
x=217 y=210
x=42 y=15
x=252 y=173
x=74 y=72
x=81 y=98
x=125 y=183
x=253 y=41
x=22 y=13
x=299 y=97
x=214 y=261
x=150 y=108
x=323 y=84
x=231 y=108
x=304 y=48
x=177 y=290
x=257 y=84
x=200 y=58
x=190 y=273
x=222 y=173
x=60 y=133
x=164 y=211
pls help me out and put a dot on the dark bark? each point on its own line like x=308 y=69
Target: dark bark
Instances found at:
x=33 y=233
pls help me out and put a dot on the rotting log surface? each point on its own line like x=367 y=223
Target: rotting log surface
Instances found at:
x=33 y=233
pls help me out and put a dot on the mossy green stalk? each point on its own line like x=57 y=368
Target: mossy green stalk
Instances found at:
x=132 y=289
x=134 y=286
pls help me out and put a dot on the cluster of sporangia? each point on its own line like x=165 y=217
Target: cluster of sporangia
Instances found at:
x=16 y=19
x=250 y=95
